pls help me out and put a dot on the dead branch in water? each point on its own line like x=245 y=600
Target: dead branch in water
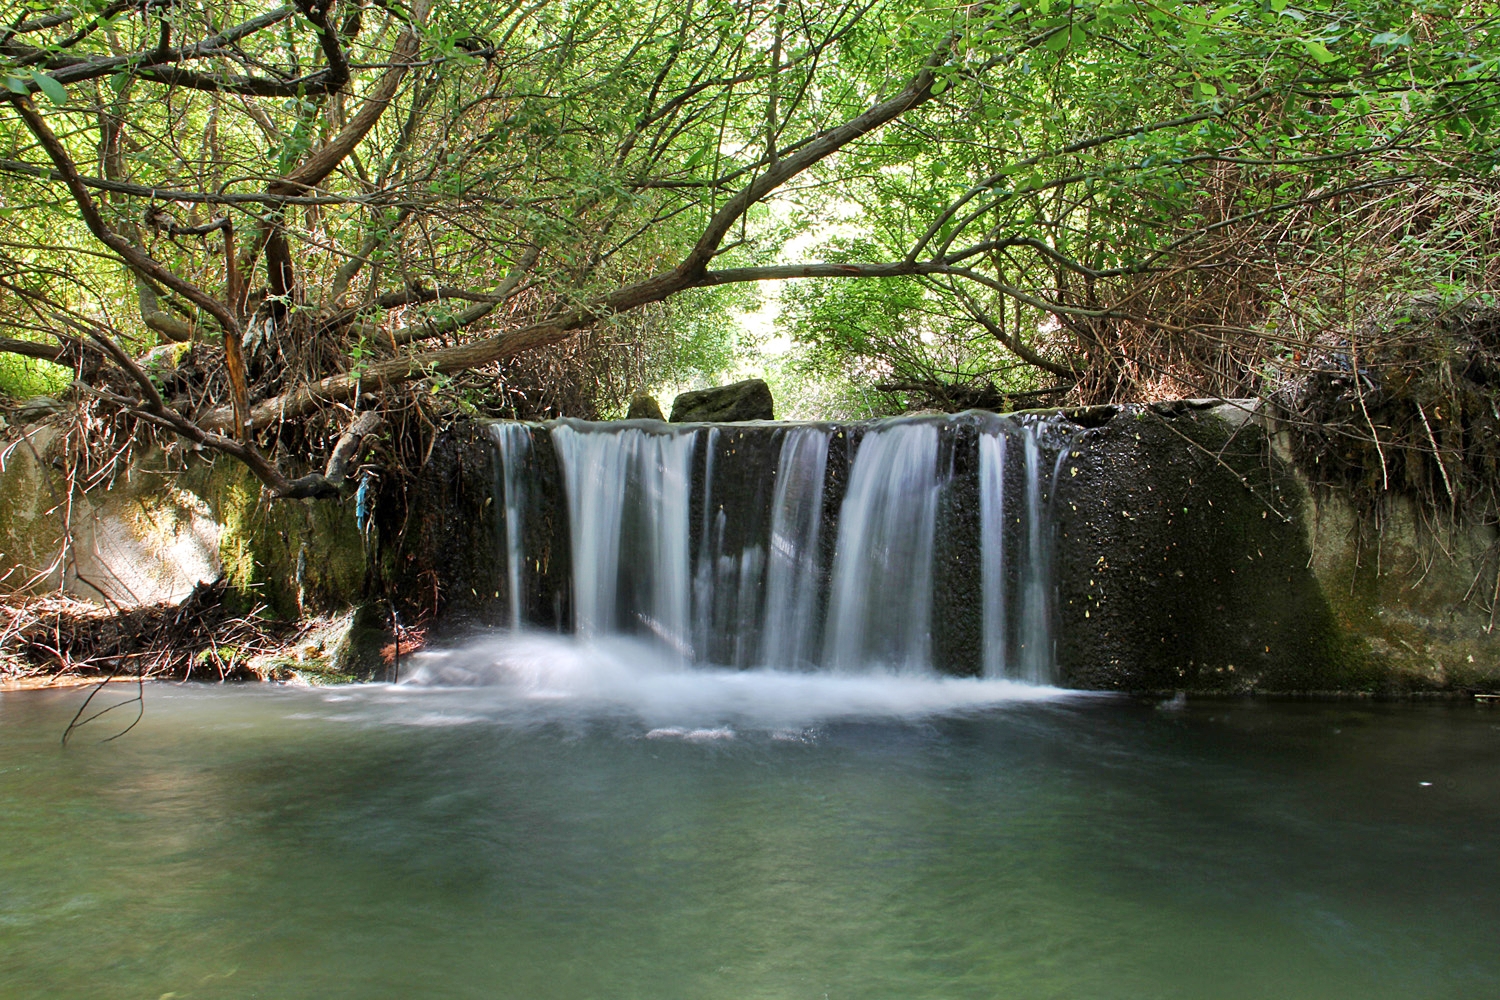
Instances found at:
x=57 y=636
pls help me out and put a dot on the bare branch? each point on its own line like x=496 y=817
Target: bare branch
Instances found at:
x=322 y=163
x=63 y=354
x=195 y=197
x=154 y=64
x=154 y=408
x=1013 y=344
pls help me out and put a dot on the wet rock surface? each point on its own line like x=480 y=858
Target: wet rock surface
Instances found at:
x=1189 y=555
x=1183 y=563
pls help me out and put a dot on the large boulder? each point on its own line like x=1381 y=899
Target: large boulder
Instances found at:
x=747 y=400
x=167 y=524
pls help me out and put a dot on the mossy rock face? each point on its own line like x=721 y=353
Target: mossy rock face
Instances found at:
x=155 y=532
x=643 y=406
x=29 y=529
x=1410 y=589
x=355 y=646
x=451 y=567
x=747 y=400
x=294 y=557
x=1192 y=556
x=166 y=357
x=138 y=539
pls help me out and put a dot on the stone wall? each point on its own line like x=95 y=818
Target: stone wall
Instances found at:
x=1413 y=588
x=1191 y=553
x=1195 y=556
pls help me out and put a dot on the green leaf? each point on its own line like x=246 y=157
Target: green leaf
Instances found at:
x=55 y=91
x=1318 y=51
x=1391 y=38
x=16 y=85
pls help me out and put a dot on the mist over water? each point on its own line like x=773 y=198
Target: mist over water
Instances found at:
x=539 y=677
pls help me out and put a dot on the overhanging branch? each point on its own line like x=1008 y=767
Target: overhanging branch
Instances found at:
x=142 y=262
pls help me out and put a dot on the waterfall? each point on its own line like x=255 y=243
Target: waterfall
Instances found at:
x=628 y=518
x=793 y=582
x=992 y=548
x=1032 y=652
x=880 y=589
x=743 y=547
x=703 y=575
x=514 y=443
x=1018 y=547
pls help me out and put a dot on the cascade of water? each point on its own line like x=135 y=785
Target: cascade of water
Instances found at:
x=1016 y=550
x=514 y=442
x=792 y=578
x=1034 y=641
x=1033 y=648
x=880 y=591
x=992 y=533
x=1044 y=668
x=743 y=576
x=628 y=496
x=729 y=583
x=703 y=574
x=752 y=592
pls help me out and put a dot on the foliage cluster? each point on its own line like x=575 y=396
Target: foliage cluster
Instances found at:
x=541 y=208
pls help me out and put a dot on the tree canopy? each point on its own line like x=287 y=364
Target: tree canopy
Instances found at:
x=338 y=201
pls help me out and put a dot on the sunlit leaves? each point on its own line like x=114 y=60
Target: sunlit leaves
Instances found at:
x=56 y=92
x=1318 y=51
x=607 y=134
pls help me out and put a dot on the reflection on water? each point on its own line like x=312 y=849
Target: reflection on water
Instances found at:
x=581 y=824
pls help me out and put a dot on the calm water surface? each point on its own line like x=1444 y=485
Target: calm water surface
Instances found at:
x=407 y=842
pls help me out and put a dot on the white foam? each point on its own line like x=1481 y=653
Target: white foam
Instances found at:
x=694 y=735
x=550 y=676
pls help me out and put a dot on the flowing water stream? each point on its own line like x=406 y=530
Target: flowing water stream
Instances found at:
x=596 y=827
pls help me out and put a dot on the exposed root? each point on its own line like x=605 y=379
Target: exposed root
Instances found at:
x=1418 y=416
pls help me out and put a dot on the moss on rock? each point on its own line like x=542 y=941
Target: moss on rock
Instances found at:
x=296 y=557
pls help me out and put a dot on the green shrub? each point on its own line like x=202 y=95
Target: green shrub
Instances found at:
x=22 y=378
